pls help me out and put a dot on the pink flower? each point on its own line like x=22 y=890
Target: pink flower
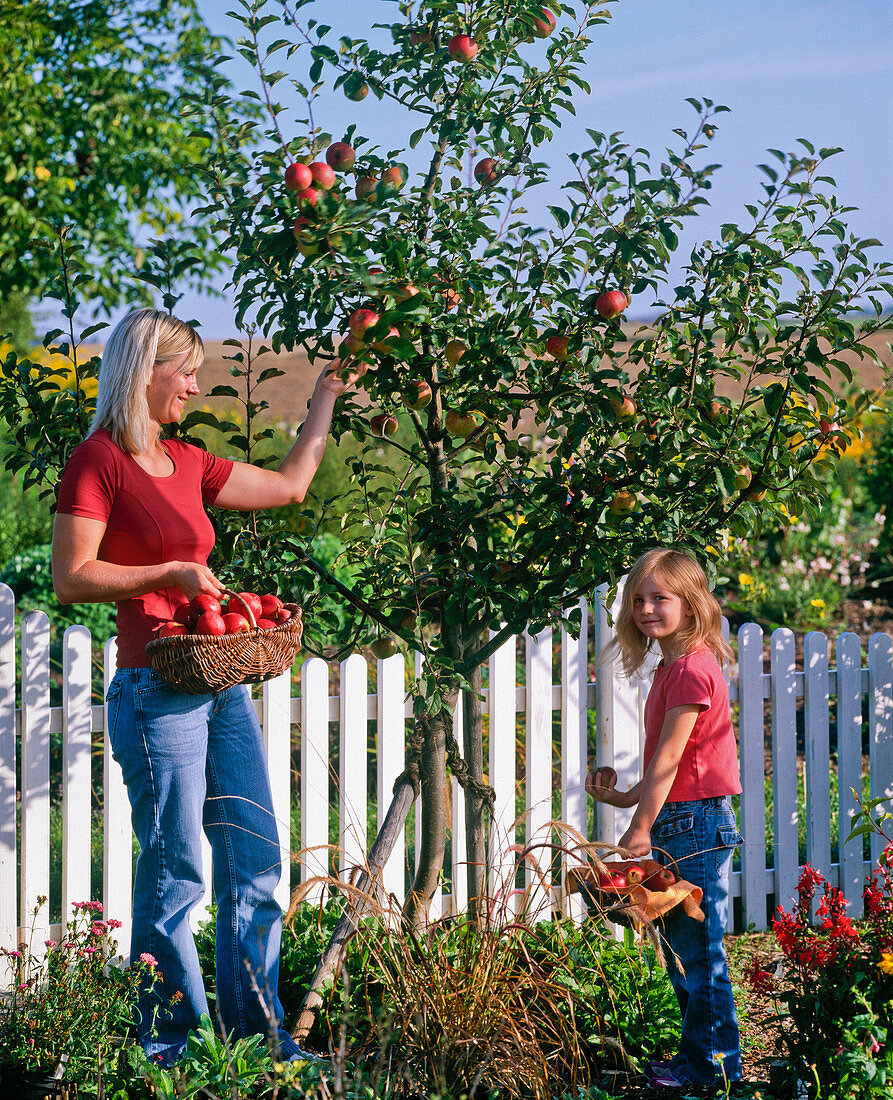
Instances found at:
x=90 y=950
x=11 y=954
x=50 y=943
x=873 y=1046
x=148 y=959
x=112 y=923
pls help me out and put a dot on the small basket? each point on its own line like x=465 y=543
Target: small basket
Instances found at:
x=198 y=663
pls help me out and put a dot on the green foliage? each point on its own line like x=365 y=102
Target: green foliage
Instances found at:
x=15 y=321
x=94 y=137
x=69 y=1000
x=835 y=985
x=24 y=519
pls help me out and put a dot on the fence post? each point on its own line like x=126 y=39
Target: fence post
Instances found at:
x=8 y=843
x=849 y=767
x=538 y=785
x=753 y=813
x=501 y=709
x=276 y=725
x=880 y=695
x=315 y=774
x=77 y=720
x=574 y=735
x=354 y=755
x=391 y=722
x=117 y=859
x=35 y=777
x=816 y=707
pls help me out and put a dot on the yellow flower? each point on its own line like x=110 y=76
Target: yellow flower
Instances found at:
x=745 y=580
x=819 y=605
x=886 y=963
x=42 y=173
x=711 y=550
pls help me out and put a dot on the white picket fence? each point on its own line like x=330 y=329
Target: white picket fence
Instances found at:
x=545 y=716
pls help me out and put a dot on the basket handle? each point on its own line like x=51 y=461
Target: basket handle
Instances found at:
x=249 y=614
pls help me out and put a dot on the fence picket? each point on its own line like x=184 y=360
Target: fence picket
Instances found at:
x=538 y=784
x=391 y=721
x=354 y=754
x=458 y=864
x=784 y=762
x=117 y=837
x=816 y=708
x=9 y=920
x=753 y=814
x=314 y=775
x=849 y=766
x=276 y=726
x=77 y=721
x=574 y=733
x=501 y=707
x=35 y=878
x=880 y=732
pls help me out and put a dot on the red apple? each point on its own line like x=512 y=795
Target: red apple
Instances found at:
x=266 y=624
x=202 y=603
x=462 y=424
x=184 y=615
x=485 y=171
x=269 y=605
x=612 y=879
x=171 y=630
x=340 y=155
x=611 y=304
x=298 y=177
x=305 y=238
x=635 y=874
x=624 y=407
x=392 y=179
x=383 y=424
x=323 y=174
x=462 y=48
x=742 y=477
x=234 y=606
x=544 y=26
x=660 y=880
x=309 y=196
x=365 y=187
x=622 y=503
x=235 y=624
x=384 y=344
x=282 y=615
x=211 y=623
x=714 y=411
x=418 y=395
x=556 y=346
x=454 y=351
x=755 y=493
x=361 y=320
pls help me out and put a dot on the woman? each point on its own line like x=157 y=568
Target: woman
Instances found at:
x=131 y=529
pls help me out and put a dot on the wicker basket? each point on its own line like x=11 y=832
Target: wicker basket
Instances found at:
x=198 y=663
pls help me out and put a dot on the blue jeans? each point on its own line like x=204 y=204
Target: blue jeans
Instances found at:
x=697 y=840
x=192 y=762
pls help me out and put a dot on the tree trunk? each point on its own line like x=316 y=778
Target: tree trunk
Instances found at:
x=330 y=963
x=475 y=825
x=431 y=832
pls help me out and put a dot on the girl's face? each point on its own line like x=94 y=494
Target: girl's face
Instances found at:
x=169 y=389
x=659 y=613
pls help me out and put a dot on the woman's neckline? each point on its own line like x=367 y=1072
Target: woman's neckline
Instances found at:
x=157 y=477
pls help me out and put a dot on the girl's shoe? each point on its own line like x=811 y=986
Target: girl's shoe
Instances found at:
x=658 y=1075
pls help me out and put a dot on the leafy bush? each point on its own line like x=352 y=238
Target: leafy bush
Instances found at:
x=835 y=987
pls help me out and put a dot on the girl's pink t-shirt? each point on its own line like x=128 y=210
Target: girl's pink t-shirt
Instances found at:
x=709 y=764
x=149 y=520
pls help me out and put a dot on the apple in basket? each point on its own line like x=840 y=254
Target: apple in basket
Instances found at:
x=269 y=606
x=203 y=603
x=660 y=880
x=235 y=606
x=234 y=623
x=266 y=624
x=612 y=880
x=172 y=629
x=211 y=623
x=635 y=874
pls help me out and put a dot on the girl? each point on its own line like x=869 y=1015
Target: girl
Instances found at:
x=683 y=810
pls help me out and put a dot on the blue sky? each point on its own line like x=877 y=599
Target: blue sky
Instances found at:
x=816 y=69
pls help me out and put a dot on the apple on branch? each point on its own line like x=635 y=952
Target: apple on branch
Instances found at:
x=611 y=304
x=298 y=177
x=485 y=171
x=556 y=346
x=366 y=187
x=622 y=503
x=623 y=405
x=418 y=395
x=323 y=175
x=454 y=351
x=462 y=48
x=383 y=424
x=340 y=156
x=462 y=423
x=544 y=24
x=361 y=320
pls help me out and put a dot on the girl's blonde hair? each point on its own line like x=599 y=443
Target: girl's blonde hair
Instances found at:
x=142 y=339
x=684 y=577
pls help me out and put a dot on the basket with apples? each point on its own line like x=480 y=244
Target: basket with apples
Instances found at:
x=209 y=645
x=635 y=891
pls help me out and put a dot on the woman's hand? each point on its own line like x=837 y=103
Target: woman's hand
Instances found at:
x=193 y=579
x=636 y=841
x=338 y=377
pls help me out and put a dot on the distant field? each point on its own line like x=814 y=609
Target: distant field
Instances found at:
x=288 y=396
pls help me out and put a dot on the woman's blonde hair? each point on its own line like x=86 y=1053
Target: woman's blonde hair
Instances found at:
x=684 y=577
x=142 y=339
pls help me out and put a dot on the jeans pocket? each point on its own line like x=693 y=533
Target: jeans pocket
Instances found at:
x=727 y=839
x=674 y=835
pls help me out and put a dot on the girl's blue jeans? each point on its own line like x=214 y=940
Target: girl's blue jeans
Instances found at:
x=194 y=762
x=697 y=839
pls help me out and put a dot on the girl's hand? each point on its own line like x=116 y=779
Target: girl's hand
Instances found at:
x=601 y=784
x=338 y=377
x=637 y=842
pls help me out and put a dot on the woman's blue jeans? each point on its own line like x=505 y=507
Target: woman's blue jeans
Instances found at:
x=194 y=762
x=697 y=840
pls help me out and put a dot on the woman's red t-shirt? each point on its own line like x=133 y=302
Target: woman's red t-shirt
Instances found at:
x=709 y=764
x=149 y=520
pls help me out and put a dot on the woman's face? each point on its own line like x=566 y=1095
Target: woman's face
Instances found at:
x=169 y=389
